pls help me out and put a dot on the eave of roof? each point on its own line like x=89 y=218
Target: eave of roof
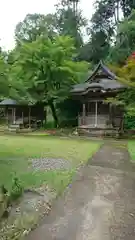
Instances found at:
x=8 y=102
x=104 y=84
x=12 y=102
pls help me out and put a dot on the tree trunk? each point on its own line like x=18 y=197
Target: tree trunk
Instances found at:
x=118 y=9
x=54 y=114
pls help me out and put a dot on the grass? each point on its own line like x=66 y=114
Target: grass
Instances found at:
x=15 y=151
x=131 y=149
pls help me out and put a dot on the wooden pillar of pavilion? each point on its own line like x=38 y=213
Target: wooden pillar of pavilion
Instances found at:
x=14 y=115
x=84 y=113
x=96 y=113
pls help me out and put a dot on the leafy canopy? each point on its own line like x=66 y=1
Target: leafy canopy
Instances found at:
x=4 y=82
x=46 y=67
x=35 y=25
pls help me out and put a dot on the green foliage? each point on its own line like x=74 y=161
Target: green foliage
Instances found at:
x=126 y=98
x=35 y=25
x=129 y=118
x=17 y=189
x=68 y=113
x=126 y=75
x=124 y=45
x=131 y=149
x=4 y=82
x=70 y=21
x=100 y=32
x=4 y=201
x=7 y=197
x=102 y=17
x=67 y=21
x=46 y=67
x=129 y=122
x=104 y=27
x=127 y=7
x=49 y=125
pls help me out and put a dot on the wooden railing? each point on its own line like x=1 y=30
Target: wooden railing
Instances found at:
x=90 y=120
x=102 y=120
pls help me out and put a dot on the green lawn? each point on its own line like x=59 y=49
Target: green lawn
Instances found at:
x=15 y=151
x=131 y=149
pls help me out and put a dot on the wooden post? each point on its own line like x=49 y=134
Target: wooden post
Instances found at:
x=96 y=108
x=78 y=118
x=14 y=115
x=29 y=117
x=110 y=114
x=84 y=113
x=7 y=116
x=22 y=119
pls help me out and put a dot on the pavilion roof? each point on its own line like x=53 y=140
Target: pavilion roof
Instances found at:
x=101 y=78
x=8 y=102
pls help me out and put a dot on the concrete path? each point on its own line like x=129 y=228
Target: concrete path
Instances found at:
x=100 y=204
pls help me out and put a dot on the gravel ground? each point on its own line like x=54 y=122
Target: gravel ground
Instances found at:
x=50 y=164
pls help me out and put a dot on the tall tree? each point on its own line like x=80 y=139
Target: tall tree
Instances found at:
x=104 y=27
x=70 y=20
x=126 y=98
x=75 y=5
x=101 y=31
x=4 y=82
x=35 y=25
x=46 y=68
x=125 y=41
x=127 y=7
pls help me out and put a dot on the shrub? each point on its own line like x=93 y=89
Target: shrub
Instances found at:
x=4 y=201
x=129 y=122
x=17 y=189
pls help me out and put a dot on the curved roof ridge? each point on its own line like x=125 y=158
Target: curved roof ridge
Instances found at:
x=105 y=69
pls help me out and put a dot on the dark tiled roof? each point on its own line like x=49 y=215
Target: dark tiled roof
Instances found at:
x=107 y=82
x=80 y=87
x=12 y=102
x=110 y=84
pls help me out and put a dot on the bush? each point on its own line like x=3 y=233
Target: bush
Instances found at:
x=129 y=122
x=49 y=125
x=68 y=113
x=4 y=201
x=68 y=122
x=17 y=189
